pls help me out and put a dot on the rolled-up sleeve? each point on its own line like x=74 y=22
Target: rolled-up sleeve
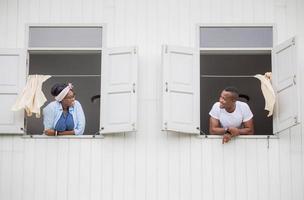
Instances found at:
x=80 y=125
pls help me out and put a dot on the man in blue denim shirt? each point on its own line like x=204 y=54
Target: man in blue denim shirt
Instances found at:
x=65 y=115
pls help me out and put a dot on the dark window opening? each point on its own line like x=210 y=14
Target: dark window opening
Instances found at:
x=221 y=70
x=83 y=70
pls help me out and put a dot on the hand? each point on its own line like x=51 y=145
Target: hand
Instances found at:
x=49 y=132
x=234 y=131
x=226 y=138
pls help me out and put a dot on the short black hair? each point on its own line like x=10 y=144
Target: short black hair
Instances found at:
x=232 y=90
x=57 y=88
x=236 y=93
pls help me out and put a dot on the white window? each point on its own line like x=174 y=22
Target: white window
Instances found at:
x=228 y=56
x=105 y=79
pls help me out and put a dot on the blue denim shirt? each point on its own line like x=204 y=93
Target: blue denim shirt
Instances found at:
x=53 y=112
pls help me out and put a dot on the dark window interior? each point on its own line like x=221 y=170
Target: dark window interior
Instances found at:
x=221 y=70
x=82 y=70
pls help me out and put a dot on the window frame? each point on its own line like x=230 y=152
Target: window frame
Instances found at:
x=29 y=50
x=236 y=50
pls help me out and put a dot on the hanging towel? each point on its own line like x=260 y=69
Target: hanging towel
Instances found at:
x=267 y=91
x=32 y=97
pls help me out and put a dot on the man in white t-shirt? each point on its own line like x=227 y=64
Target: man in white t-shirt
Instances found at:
x=230 y=117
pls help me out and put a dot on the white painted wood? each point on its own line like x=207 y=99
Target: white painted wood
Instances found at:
x=296 y=162
x=12 y=72
x=174 y=166
x=185 y=167
x=274 y=170
x=52 y=170
x=17 y=167
x=74 y=170
x=118 y=166
x=141 y=166
x=119 y=90
x=241 y=169
x=252 y=170
x=96 y=168
x=84 y=169
x=263 y=169
x=62 y=185
x=3 y=24
x=218 y=170
x=285 y=165
x=180 y=89
x=12 y=18
x=285 y=77
x=6 y=157
x=129 y=172
x=151 y=151
x=196 y=168
x=28 y=182
x=107 y=169
x=40 y=170
x=207 y=157
x=229 y=170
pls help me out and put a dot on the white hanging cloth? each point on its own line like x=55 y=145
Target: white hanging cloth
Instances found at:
x=267 y=90
x=32 y=97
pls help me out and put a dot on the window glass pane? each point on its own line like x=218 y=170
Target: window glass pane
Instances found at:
x=236 y=37
x=65 y=37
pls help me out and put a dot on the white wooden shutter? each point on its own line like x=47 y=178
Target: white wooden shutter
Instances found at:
x=12 y=81
x=180 y=92
x=119 y=90
x=285 y=79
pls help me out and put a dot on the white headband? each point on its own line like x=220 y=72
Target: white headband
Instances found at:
x=64 y=92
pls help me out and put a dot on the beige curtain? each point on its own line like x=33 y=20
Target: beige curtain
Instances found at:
x=267 y=91
x=32 y=98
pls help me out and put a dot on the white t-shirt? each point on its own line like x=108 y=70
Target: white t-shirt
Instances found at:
x=242 y=113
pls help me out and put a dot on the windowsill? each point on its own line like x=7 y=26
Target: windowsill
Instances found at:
x=240 y=137
x=63 y=137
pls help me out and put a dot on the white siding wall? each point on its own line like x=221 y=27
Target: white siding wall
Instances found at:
x=151 y=165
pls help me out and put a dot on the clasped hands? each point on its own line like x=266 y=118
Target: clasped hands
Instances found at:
x=232 y=132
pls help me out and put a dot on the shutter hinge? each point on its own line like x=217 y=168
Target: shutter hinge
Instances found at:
x=166 y=49
x=133 y=126
x=293 y=41
x=294 y=79
x=134 y=50
x=27 y=61
x=166 y=84
x=295 y=119
x=165 y=125
x=133 y=87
